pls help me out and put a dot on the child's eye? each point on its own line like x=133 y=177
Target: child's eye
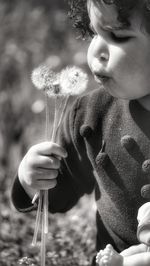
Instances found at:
x=119 y=39
x=92 y=32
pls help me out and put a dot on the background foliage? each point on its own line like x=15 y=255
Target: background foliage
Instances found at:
x=33 y=32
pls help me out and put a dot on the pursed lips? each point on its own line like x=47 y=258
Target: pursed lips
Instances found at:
x=101 y=77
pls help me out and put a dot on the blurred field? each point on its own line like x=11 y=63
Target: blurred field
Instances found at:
x=33 y=32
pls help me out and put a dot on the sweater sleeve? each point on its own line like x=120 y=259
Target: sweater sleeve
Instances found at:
x=19 y=197
x=75 y=176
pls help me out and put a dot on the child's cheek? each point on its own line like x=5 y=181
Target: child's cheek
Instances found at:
x=90 y=53
x=117 y=56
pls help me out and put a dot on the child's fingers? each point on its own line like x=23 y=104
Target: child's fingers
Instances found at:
x=45 y=184
x=43 y=179
x=41 y=174
x=39 y=167
x=46 y=162
x=48 y=148
x=46 y=174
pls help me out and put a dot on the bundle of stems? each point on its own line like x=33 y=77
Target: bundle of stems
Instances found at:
x=70 y=81
x=42 y=211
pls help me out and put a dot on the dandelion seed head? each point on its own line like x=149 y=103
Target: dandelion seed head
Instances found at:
x=70 y=81
x=73 y=81
x=43 y=78
x=55 y=87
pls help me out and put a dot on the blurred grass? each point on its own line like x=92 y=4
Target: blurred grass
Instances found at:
x=33 y=32
x=70 y=242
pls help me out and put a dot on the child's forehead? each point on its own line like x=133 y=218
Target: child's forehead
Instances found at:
x=106 y=15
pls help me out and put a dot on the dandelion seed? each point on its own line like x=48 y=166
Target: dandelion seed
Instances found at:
x=73 y=81
x=55 y=87
x=43 y=78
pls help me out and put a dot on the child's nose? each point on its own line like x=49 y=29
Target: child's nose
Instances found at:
x=104 y=57
x=99 y=64
x=100 y=61
x=101 y=51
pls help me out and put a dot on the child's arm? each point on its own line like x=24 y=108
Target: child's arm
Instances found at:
x=75 y=177
x=140 y=259
x=134 y=250
x=133 y=256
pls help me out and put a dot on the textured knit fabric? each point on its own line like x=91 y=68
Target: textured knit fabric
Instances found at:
x=107 y=141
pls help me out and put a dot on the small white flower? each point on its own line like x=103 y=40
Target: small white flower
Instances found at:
x=73 y=81
x=43 y=77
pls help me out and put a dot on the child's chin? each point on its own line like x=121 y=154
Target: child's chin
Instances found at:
x=119 y=95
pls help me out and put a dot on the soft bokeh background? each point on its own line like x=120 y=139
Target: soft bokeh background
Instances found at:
x=33 y=32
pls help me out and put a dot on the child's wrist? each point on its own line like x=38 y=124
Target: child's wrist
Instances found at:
x=30 y=192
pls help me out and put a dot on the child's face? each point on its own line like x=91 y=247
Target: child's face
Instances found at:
x=119 y=58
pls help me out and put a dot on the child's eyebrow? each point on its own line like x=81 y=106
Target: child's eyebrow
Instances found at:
x=119 y=27
x=115 y=28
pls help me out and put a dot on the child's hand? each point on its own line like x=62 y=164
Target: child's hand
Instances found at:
x=39 y=168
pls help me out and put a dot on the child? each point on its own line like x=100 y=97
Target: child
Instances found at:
x=135 y=255
x=104 y=143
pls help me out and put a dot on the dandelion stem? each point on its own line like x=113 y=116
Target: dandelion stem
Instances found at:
x=43 y=243
x=62 y=112
x=37 y=222
x=45 y=192
x=47 y=135
x=45 y=211
x=55 y=121
x=43 y=195
x=35 y=197
x=59 y=105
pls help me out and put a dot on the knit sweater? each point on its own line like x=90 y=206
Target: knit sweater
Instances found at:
x=107 y=141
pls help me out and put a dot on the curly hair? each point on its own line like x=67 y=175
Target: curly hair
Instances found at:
x=78 y=13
